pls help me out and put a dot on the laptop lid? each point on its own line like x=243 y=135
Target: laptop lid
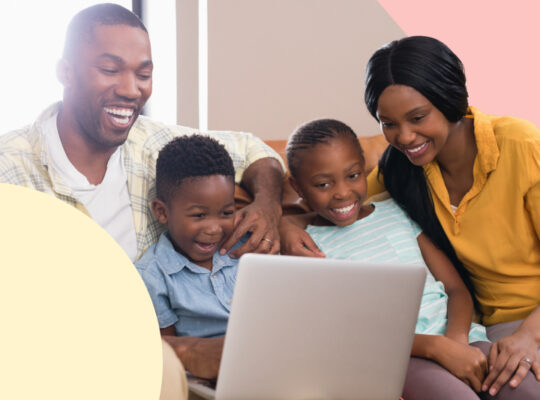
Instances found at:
x=309 y=328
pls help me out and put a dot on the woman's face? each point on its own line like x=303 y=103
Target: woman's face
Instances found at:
x=412 y=124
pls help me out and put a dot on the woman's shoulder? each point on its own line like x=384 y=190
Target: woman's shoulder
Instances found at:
x=516 y=130
x=375 y=183
x=508 y=127
x=518 y=140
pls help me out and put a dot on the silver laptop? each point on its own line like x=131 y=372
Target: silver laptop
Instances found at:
x=309 y=328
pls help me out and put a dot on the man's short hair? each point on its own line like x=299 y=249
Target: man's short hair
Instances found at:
x=82 y=25
x=190 y=157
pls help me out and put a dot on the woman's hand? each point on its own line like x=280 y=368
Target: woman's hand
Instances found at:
x=466 y=362
x=510 y=359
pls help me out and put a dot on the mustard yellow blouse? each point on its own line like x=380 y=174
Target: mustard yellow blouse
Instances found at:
x=496 y=227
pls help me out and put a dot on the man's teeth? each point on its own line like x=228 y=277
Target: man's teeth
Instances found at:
x=344 y=210
x=123 y=112
x=120 y=115
x=124 y=120
x=417 y=149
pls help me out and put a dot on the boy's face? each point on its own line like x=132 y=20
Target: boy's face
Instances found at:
x=199 y=217
x=332 y=180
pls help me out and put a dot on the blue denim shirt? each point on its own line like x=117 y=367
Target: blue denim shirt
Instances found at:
x=195 y=300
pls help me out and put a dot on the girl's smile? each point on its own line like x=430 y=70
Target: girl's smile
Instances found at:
x=346 y=212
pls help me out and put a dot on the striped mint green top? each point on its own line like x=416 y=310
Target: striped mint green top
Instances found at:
x=388 y=235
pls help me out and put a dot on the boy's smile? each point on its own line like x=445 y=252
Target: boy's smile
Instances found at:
x=200 y=217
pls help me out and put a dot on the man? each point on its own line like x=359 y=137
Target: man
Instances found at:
x=94 y=141
x=93 y=150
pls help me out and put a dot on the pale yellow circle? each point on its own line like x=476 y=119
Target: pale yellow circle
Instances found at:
x=76 y=319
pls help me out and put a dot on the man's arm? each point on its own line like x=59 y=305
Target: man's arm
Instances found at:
x=264 y=180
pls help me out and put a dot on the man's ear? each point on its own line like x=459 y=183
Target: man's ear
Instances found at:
x=295 y=186
x=64 y=72
x=160 y=210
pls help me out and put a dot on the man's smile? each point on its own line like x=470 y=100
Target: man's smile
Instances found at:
x=120 y=115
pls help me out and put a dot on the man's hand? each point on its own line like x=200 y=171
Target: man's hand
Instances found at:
x=200 y=356
x=261 y=218
x=507 y=361
x=295 y=240
x=264 y=180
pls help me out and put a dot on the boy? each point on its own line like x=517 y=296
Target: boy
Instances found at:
x=190 y=283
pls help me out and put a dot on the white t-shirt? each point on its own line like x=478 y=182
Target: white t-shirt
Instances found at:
x=108 y=203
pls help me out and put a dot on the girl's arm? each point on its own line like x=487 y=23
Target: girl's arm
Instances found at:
x=452 y=351
x=465 y=362
x=460 y=305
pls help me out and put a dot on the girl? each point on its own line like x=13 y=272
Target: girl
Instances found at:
x=327 y=170
x=472 y=183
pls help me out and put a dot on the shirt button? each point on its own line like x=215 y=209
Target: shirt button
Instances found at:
x=229 y=302
x=214 y=275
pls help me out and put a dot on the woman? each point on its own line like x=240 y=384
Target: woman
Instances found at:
x=472 y=183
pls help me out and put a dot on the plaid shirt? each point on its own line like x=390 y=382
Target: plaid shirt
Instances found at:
x=24 y=161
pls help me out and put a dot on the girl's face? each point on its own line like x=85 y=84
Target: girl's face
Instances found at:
x=412 y=124
x=331 y=179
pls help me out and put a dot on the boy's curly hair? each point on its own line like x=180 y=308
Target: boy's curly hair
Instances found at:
x=190 y=157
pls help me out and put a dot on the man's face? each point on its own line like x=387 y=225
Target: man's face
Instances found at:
x=110 y=81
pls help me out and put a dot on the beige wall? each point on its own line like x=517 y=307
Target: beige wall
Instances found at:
x=273 y=64
x=187 y=98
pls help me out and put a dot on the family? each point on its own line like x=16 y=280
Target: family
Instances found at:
x=463 y=186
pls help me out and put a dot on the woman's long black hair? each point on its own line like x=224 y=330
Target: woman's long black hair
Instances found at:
x=431 y=68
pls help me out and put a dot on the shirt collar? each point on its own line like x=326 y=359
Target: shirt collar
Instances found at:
x=488 y=151
x=173 y=262
x=39 y=144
